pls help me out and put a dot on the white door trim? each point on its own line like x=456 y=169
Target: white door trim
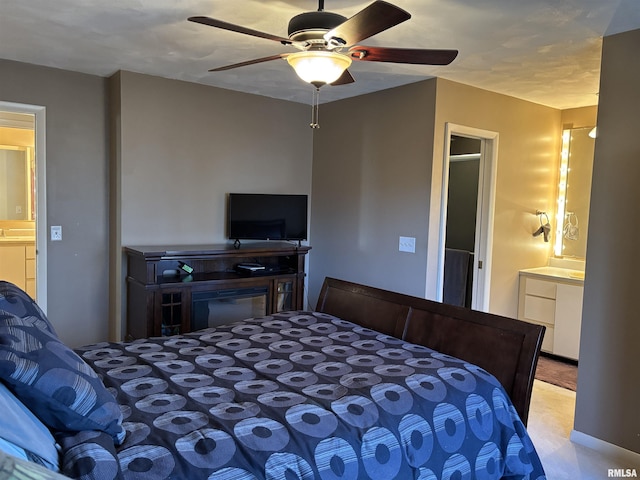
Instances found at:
x=484 y=214
x=41 y=194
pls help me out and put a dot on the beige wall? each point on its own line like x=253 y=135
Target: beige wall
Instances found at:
x=17 y=136
x=579 y=117
x=528 y=154
x=179 y=148
x=607 y=405
x=374 y=160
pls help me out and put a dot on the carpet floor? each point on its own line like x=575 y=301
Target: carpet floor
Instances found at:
x=557 y=372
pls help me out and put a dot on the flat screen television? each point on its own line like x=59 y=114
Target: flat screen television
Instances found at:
x=262 y=216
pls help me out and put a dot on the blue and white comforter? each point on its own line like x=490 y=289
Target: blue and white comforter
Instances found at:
x=299 y=395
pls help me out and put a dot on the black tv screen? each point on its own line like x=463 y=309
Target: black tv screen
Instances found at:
x=261 y=216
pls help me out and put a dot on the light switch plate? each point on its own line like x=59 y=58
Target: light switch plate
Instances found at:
x=407 y=244
x=56 y=233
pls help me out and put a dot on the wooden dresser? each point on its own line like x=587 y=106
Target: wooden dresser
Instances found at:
x=174 y=289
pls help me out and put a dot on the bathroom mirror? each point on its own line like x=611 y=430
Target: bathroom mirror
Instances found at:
x=574 y=192
x=16 y=183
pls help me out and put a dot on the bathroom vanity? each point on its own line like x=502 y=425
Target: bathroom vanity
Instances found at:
x=18 y=260
x=552 y=296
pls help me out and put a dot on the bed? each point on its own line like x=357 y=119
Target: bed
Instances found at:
x=352 y=390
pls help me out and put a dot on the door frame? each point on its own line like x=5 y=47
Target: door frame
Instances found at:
x=484 y=213
x=39 y=113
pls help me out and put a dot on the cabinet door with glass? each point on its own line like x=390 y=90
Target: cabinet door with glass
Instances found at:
x=285 y=294
x=172 y=311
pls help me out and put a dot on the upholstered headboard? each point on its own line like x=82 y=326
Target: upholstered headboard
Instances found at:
x=505 y=347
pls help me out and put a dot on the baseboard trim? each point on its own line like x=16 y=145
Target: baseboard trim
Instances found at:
x=627 y=457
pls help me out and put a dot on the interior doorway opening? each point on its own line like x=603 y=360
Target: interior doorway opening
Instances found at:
x=23 y=248
x=462 y=205
x=477 y=220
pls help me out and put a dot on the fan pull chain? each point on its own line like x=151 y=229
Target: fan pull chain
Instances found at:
x=314 y=109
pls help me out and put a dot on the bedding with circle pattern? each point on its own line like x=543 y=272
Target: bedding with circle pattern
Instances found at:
x=299 y=395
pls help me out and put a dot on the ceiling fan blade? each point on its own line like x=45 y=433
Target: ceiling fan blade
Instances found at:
x=344 y=79
x=373 y=19
x=250 y=62
x=212 y=22
x=416 y=56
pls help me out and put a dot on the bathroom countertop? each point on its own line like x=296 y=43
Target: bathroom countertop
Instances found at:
x=11 y=235
x=555 y=273
x=17 y=240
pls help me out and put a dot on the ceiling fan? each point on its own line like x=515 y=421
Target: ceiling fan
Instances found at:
x=328 y=43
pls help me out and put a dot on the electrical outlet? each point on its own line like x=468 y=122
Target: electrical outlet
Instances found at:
x=56 y=233
x=407 y=244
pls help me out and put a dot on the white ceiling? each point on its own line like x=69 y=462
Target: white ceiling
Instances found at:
x=544 y=51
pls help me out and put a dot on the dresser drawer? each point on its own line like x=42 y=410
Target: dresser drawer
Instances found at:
x=539 y=309
x=540 y=288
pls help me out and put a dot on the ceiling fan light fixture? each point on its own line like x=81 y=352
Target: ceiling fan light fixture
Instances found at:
x=319 y=67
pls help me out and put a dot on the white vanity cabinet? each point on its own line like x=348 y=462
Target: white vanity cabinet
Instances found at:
x=549 y=296
x=568 y=320
x=18 y=264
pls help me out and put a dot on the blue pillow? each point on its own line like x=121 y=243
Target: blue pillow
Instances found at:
x=17 y=302
x=57 y=385
x=23 y=435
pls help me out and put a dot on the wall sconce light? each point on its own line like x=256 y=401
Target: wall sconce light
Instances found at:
x=545 y=226
x=594 y=132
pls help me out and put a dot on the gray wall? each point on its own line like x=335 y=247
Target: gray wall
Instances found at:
x=184 y=146
x=179 y=148
x=373 y=164
x=607 y=404
x=77 y=192
x=371 y=171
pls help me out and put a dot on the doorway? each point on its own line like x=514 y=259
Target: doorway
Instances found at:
x=466 y=216
x=461 y=213
x=23 y=258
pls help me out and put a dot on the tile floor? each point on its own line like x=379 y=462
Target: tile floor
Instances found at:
x=550 y=424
